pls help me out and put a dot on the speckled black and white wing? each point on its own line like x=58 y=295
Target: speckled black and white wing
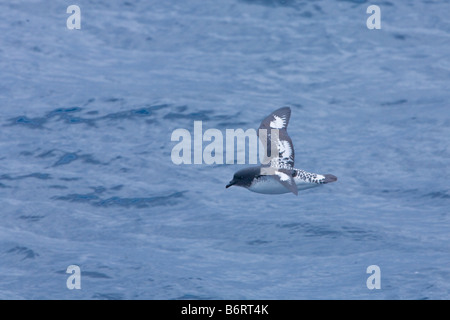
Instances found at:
x=273 y=135
x=279 y=155
x=302 y=177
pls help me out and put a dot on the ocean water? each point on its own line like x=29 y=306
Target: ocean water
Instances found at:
x=86 y=176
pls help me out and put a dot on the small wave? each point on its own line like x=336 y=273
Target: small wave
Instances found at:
x=395 y=102
x=25 y=252
x=73 y=116
x=140 y=202
x=108 y=296
x=417 y=193
x=272 y=3
x=69 y=179
x=438 y=194
x=95 y=274
x=257 y=242
x=37 y=175
x=128 y=114
x=355 y=1
x=399 y=36
x=145 y=202
x=310 y=230
x=31 y=218
x=199 y=115
x=72 y=156
x=66 y=159
x=78 y=115
x=33 y=123
x=57 y=186
x=90 y=274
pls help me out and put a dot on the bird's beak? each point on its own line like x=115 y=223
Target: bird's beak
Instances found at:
x=230 y=184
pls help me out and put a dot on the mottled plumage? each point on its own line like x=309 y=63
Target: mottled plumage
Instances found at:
x=277 y=174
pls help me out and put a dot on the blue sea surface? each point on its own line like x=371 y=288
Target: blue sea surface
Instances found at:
x=86 y=176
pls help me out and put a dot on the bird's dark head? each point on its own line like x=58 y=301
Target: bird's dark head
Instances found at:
x=244 y=177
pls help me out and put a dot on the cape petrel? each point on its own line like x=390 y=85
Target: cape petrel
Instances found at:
x=277 y=175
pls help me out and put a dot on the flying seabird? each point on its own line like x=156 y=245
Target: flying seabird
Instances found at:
x=277 y=174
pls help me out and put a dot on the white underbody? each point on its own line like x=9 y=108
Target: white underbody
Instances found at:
x=268 y=185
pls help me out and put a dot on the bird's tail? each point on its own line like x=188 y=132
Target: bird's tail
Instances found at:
x=329 y=178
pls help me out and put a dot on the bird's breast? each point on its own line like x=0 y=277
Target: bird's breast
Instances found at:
x=268 y=185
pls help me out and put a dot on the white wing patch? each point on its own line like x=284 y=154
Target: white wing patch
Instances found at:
x=283 y=176
x=278 y=122
x=284 y=148
x=320 y=177
x=276 y=140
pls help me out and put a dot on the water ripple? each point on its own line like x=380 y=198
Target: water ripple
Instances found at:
x=68 y=157
x=90 y=274
x=72 y=116
x=31 y=218
x=145 y=202
x=23 y=251
x=309 y=230
x=438 y=194
x=33 y=123
x=37 y=175
x=272 y=3
x=108 y=296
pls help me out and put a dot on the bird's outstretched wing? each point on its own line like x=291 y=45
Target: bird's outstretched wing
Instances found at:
x=279 y=151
